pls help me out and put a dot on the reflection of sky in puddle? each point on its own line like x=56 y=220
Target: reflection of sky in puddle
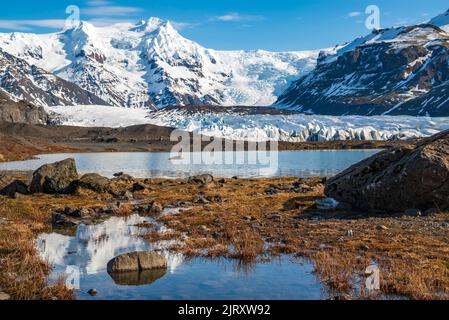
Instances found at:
x=93 y=246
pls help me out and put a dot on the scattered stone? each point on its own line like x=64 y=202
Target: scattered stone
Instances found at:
x=123 y=177
x=92 y=292
x=136 y=261
x=138 y=187
x=127 y=196
x=271 y=192
x=222 y=181
x=4 y=296
x=155 y=209
x=276 y=216
x=381 y=227
x=253 y=194
x=95 y=182
x=413 y=212
x=398 y=179
x=364 y=247
x=200 y=199
x=201 y=179
x=63 y=221
x=349 y=233
x=431 y=212
x=14 y=187
x=55 y=178
x=326 y=204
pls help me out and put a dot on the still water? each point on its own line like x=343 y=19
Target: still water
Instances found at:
x=241 y=164
x=91 y=247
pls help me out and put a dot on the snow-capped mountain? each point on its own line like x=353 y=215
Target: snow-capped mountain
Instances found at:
x=151 y=65
x=22 y=81
x=403 y=70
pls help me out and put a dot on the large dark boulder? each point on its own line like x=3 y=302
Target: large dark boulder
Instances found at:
x=398 y=179
x=14 y=187
x=55 y=178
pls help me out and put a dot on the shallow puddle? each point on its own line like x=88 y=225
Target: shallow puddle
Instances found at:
x=90 y=249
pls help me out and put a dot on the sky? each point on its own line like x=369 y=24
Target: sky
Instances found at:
x=280 y=25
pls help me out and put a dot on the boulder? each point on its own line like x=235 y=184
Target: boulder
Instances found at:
x=95 y=182
x=55 y=178
x=398 y=179
x=136 y=261
x=201 y=179
x=14 y=187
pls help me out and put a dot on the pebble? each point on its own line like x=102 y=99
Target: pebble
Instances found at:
x=349 y=233
x=92 y=292
x=381 y=227
x=4 y=296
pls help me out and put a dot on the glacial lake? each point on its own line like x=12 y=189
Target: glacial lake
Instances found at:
x=241 y=164
x=87 y=252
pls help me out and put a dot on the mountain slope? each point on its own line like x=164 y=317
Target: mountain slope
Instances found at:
x=23 y=81
x=391 y=71
x=151 y=65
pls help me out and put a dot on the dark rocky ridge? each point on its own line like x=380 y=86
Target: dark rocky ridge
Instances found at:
x=35 y=85
x=401 y=73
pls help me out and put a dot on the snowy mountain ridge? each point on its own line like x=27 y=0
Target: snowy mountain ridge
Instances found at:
x=151 y=65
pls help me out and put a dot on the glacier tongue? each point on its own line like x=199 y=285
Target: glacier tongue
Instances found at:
x=257 y=127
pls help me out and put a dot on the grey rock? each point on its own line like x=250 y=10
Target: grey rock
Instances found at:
x=136 y=261
x=93 y=292
x=55 y=178
x=398 y=179
x=201 y=179
x=14 y=187
x=96 y=183
x=63 y=221
x=413 y=212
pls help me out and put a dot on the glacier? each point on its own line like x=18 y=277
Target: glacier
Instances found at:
x=256 y=127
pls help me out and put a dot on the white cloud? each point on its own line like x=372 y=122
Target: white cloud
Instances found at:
x=94 y=3
x=235 y=17
x=111 y=11
x=179 y=25
x=354 y=14
x=24 y=25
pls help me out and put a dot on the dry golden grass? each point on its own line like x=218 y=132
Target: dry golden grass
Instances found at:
x=412 y=253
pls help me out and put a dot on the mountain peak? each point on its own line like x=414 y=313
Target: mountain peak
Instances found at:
x=152 y=24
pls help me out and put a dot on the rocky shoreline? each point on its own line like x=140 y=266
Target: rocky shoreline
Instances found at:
x=251 y=220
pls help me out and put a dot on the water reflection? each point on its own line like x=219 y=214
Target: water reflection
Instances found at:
x=148 y=164
x=94 y=245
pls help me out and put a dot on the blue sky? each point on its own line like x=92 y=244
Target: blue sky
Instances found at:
x=278 y=25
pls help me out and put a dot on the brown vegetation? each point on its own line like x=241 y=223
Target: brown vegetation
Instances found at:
x=250 y=220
